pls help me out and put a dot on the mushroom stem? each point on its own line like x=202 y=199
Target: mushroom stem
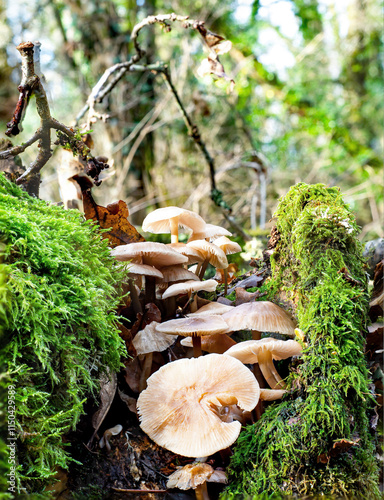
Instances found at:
x=225 y=280
x=196 y=343
x=150 y=289
x=202 y=492
x=256 y=335
x=134 y=297
x=174 y=225
x=269 y=371
x=259 y=408
x=146 y=370
x=193 y=302
x=203 y=268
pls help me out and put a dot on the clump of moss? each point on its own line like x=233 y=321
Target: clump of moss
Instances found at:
x=60 y=331
x=317 y=441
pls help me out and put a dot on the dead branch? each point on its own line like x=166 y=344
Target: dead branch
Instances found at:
x=31 y=85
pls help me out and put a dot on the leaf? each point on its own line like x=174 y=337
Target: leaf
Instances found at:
x=126 y=335
x=152 y=313
x=112 y=217
x=129 y=401
x=242 y=296
x=108 y=385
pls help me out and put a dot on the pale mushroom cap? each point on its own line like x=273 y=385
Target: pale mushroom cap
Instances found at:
x=176 y=273
x=212 y=308
x=190 y=286
x=248 y=351
x=158 y=220
x=179 y=408
x=144 y=270
x=271 y=394
x=227 y=246
x=263 y=316
x=218 y=342
x=213 y=253
x=192 y=254
x=210 y=231
x=190 y=476
x=194 y=326
x=150 y=340
x=149 y=252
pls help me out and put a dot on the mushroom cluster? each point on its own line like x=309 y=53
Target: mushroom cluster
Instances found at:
x=195 y=406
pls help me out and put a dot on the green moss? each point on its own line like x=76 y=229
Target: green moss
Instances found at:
x=60 y=331
x=292 y=449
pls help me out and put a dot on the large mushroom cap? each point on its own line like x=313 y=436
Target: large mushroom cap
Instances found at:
x=263 y=316
x=158 y=221
x=199 y=326
x=149 y=252
x=180 y=408
x=248 y=351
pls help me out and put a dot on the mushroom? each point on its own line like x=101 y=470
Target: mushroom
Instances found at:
x=196 y=476
x=135 y=270
x=169 y=219
x=262 y=316
x=192 y=254
x=212 y=255
x=271 y=394
x=180 y=409
x=218 y=343
x=263 y=352
x=150 y=253
x=113 y=431
x=146 y=342
x=189 y=287
x=209 y=232
x=229 y=247
x=211 y=308
x=195 y=328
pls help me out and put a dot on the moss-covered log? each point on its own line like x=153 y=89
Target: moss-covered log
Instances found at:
x=317 y=441
x=60 y=331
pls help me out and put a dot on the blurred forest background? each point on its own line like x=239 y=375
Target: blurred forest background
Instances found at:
x=307 y=103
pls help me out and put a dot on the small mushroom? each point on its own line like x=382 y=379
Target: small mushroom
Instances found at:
x=263 y=352
x=189 y=287
x=195 y=328
x=212 y=308
x=113 y=431
x=271 y=394
x=218 y=343
x=209 y=232
x=169 y=219
x=196 y=476
x=146 y=342
x=212 y=255
x=180 y=409
x=229 y=247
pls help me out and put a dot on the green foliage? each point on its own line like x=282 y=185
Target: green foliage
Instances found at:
x=61 y=331
x=293 y=449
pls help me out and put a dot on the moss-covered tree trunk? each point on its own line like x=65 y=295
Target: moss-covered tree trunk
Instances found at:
x=317 y=441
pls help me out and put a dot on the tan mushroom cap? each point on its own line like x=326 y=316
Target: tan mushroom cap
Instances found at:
x=263 y=316
x=150 y=340
x=192 y=254
x=212 y=308
x=271 y=394
x=189 y=287
x=186 y=327
x=193 y=475
x=227 y=246
x=218 y=343
x=249 y=350
x=164 y=220
x=144 y=270
x=179 y=410
x=210 y=231
x=176 y=273
x=211 y=252
x=149 y=252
